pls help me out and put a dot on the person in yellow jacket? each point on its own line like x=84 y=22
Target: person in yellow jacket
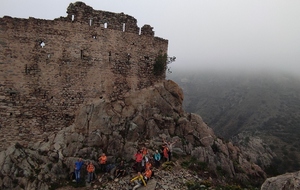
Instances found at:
x=90 y=169
x=139 y=181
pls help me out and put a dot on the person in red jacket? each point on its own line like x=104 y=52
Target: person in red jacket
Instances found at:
x=138 y=161
x=166 y=152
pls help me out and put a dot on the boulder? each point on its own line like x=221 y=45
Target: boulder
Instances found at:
x=288 y=181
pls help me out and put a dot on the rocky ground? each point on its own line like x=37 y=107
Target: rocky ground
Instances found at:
x=169 y=176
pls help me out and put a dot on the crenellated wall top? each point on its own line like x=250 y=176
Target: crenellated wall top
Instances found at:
x=80 y=12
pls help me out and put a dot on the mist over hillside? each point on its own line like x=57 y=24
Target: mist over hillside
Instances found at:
x=256 y=103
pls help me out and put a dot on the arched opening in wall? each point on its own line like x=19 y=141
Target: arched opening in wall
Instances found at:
x=105 y=25
x=73 y=17
x=123 y=27
x=42 y=44
x=90 y=22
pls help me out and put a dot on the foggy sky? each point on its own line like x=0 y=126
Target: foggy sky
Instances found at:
x=234 y=34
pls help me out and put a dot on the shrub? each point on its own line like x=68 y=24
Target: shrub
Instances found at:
x=159 y=66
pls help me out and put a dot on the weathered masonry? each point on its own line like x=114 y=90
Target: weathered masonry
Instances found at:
x=50 y=68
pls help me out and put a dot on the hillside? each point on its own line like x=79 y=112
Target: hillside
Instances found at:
x=241 y=106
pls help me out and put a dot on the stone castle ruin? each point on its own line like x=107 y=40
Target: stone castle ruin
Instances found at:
x=50 y=68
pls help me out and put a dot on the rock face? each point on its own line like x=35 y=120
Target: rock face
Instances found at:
x=288 y=181
x=118 y=129
x=255 y=149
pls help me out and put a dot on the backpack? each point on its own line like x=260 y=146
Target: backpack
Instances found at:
x=109 y=167
x=72 y=176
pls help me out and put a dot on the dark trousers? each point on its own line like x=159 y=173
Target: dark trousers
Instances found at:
x=103 y=167
x=157 y=163
x=90 y=176
x=138 y=166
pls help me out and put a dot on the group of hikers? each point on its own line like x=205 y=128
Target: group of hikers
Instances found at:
x=143 y=165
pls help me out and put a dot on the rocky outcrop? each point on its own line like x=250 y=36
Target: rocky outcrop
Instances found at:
x=255 y=149
x=288 y=181
x=118 y=128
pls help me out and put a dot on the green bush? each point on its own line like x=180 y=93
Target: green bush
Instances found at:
x=159 y=66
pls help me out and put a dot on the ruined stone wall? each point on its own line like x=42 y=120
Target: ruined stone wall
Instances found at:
x=50 y=68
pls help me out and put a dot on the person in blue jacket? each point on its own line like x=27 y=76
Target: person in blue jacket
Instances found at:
x=157 y=157
x=78 y=165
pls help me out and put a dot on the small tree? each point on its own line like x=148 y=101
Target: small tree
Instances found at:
x=161 y=64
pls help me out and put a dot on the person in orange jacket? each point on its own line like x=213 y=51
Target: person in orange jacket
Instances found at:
x=147 y=174
x=144 y=151
x=90 y=169
x=148 y=165
x=102 y=161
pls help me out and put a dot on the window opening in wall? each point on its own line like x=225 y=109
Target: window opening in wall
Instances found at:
x=26 y=69
x=105 y=25
x=42 y=44
x=123 y=27
x=73 y=17
x=94 y=36
x=140 y=31
x=128 y=57
x=90 y=23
